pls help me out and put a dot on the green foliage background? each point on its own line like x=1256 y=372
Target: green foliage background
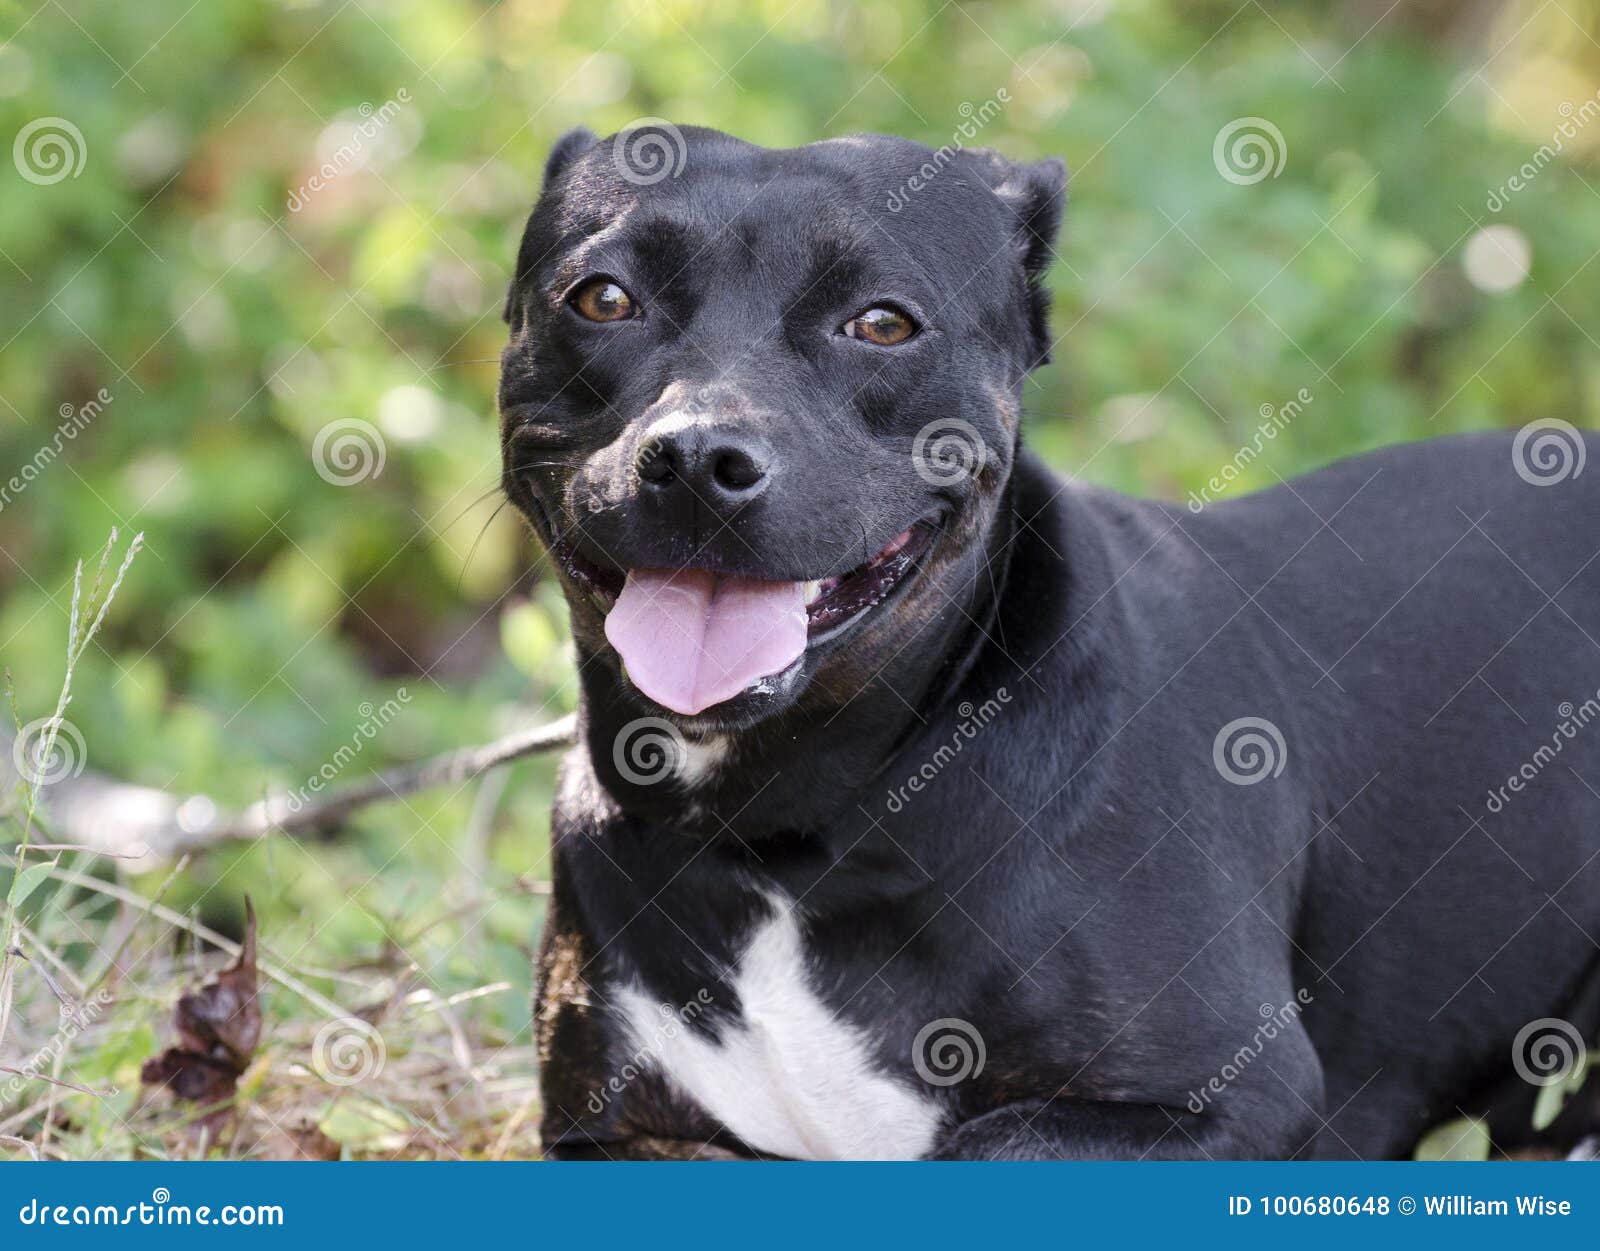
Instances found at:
x=271 y=604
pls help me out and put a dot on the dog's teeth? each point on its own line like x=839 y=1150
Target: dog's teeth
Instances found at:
x=812 y=590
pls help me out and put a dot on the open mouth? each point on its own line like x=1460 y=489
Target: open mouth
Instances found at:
x=834 y=602
x=690 y=638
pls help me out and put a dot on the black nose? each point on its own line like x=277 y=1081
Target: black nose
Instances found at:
x=716 y=466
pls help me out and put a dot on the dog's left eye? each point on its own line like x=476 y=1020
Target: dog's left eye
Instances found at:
x=883 y=324
x=600 y=299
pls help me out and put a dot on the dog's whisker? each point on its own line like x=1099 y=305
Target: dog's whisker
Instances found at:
x=546 y=464
x=473 y=550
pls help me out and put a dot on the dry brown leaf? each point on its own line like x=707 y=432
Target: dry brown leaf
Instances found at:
x=219 y=1027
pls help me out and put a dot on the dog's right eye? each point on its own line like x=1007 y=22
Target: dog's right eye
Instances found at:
x=601 y=299
x=883 y=324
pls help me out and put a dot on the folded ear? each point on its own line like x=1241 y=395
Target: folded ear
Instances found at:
x=1036 y=194
x=575 y=142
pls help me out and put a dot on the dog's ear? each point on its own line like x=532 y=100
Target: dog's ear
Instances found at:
x=1036 y=193
x=575 y=142
x=571 y=145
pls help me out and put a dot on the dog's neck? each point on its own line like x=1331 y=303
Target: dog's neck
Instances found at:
x=799 y=770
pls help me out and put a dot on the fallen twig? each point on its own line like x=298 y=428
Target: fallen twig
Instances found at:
x=100 y=814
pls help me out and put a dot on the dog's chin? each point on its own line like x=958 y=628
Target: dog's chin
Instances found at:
x=841 y=609
x=760 y=701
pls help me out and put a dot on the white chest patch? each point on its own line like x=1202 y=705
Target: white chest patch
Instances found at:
x=789 y=1077
x=698 y=759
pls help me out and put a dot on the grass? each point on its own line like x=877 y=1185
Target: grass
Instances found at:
x=389 y=1054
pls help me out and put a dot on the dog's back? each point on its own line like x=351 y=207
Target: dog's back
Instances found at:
x=1422 y=626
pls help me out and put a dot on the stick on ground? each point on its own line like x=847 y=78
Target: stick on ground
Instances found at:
x=104 y=815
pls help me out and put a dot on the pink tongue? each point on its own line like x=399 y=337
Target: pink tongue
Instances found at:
x=691 y=639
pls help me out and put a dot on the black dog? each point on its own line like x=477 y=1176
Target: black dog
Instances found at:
x=927 y=805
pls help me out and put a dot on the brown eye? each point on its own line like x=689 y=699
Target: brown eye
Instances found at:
x=600 y=299
x=882 y=324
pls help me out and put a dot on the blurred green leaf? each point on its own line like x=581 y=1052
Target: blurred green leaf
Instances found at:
x=1455 y=1140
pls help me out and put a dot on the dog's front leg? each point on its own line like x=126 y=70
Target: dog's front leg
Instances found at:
x=1080 y=1129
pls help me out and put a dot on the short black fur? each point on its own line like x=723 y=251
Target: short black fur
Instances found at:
x=1078 y=876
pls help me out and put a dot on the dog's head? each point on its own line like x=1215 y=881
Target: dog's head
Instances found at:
x=760 y=405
